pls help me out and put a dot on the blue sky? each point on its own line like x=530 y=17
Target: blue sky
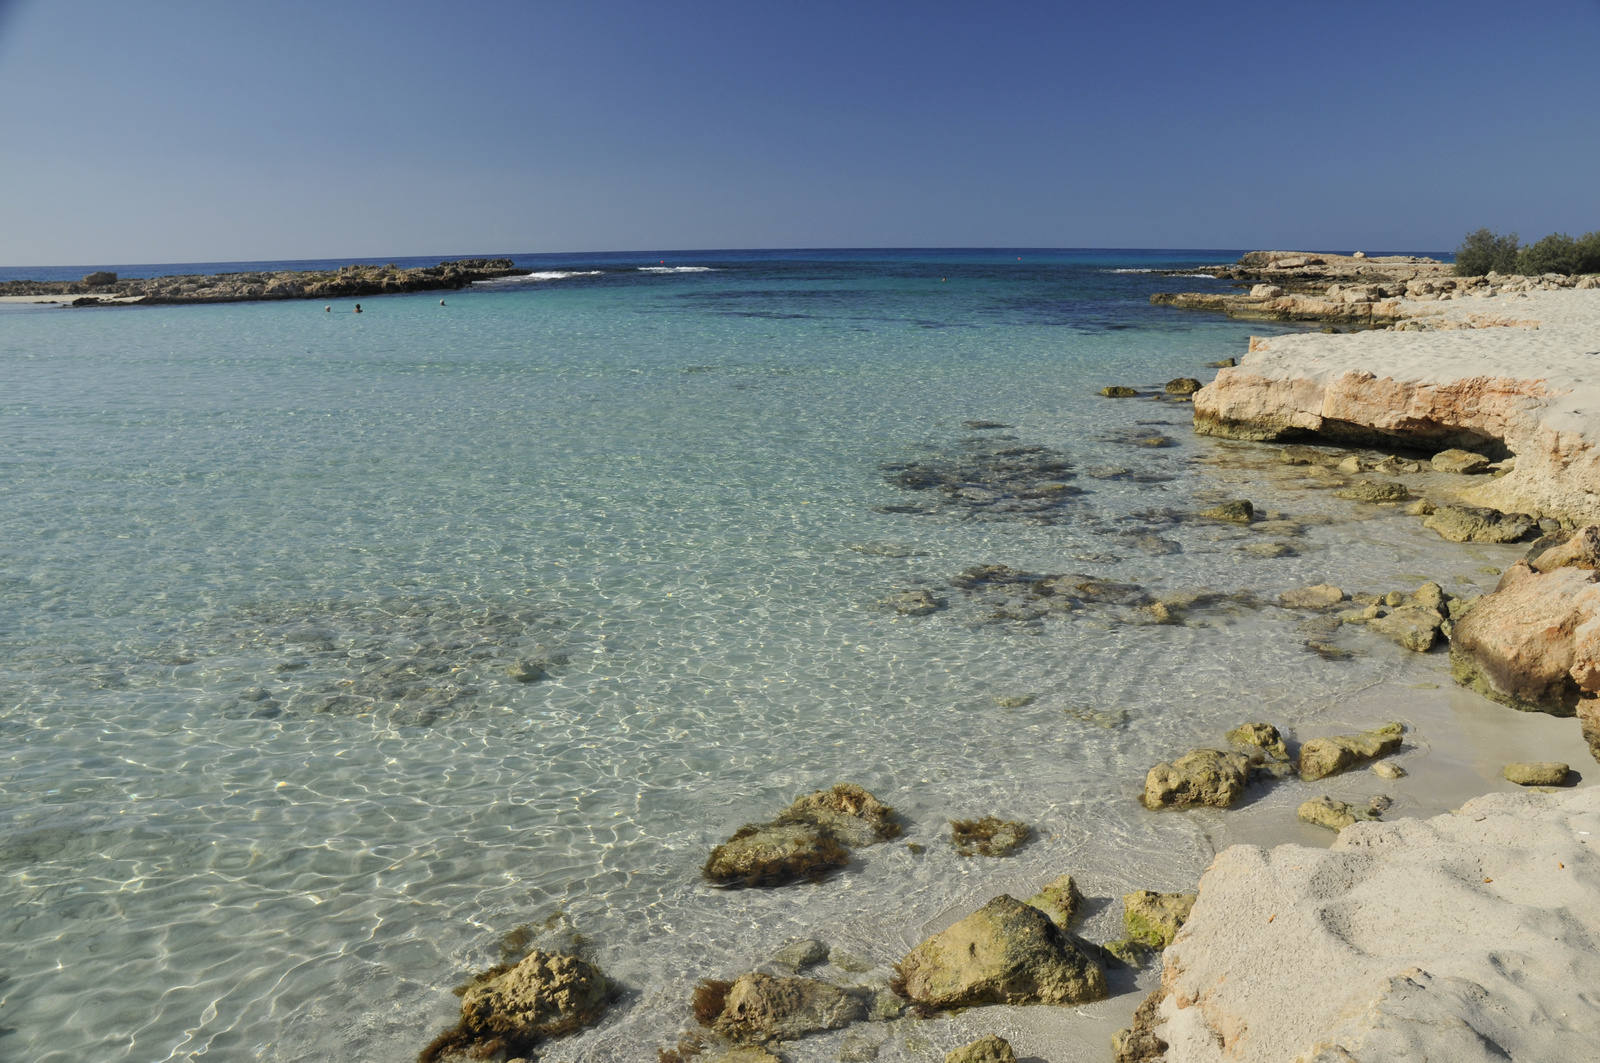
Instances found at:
x=177 y=131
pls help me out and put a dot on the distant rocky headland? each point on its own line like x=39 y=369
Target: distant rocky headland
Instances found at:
x=346 y=282
x=1355 y=291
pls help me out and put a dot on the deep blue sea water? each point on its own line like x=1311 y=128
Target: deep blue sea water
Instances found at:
x=268 y=792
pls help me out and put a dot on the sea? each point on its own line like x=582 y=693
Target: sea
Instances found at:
x=269 y=789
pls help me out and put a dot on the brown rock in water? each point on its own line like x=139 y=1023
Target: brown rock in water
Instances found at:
x=1534 y=643
x=1479 y=524
x=1139 y=1043
x=1321 y=596
x=1004 y=953
x=1199 y=777
x=1263 y=736
x=848 y=812
x=1238 y=511
x=914 y=603
x=1324 y=811
x=989 y=836
x=775 y=854
x=1536 y=773
x=1415 y=627
x=759 y=1007
x=1376 y=491
x=1154 y=918
x=1118 y=391
x=1322 y=757
x=1183 y=385
x=1581 y=550
x=991 y=1049
x=507 y=1010
x=1060 y=900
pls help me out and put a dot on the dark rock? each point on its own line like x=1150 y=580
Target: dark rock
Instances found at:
x=1118 y=391
x=508 y=1009
x=1238 y=511
x=1478 y=524
x=989 y=836
x=914 y=603
x=760 y=1007
x=1183 y=385
x=775 y=855
x=100 y=277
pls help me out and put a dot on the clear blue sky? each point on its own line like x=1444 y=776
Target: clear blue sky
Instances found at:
x=190 y=131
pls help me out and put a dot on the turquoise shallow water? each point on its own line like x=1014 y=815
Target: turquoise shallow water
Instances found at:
x=267 y=791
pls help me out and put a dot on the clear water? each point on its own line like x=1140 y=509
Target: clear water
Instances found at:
x=268 y=793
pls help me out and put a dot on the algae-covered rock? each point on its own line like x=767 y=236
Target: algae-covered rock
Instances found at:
x=1322 y=757
x=1421 y=508
x=991 y=1049
x=760 y=1007
x=1183 y=385
x=1119 y=391
x=1199 y=777
x=1262 y=736
x=1139 y=1043
x=1375 y=491
x=1320 y=596
x=846 y=811
x=1478 y=524
x=1060 y=900
x=1388 y=769
x=914 y=603
x=507 y=1010
x=1126 y=952
x=526 y=671
x=1295 y=454
x=1459 y=461
x=775 y=854
x=1414 y=627
x=989 y=836
x=1006 y=952
x=1237 y=511
x=1154 y=918
x=1536 y=773
x=1324 y=811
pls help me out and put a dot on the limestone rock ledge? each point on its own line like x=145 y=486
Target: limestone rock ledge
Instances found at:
x=1473 y=936
x=1502 y=391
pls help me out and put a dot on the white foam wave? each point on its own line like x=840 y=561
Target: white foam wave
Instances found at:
x=678 y=269
x=1131 y=271
x=543 y=275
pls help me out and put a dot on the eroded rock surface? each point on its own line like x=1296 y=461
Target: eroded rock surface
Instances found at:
x=1006 y=952
x=760 y=1008
x=1199 y=777
x=991 y=1049
x=1466 y=937
x=508 y=1010
x=1321 y=757
x=775 y=854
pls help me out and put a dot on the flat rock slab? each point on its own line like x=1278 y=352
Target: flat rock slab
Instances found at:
x=1466 y=937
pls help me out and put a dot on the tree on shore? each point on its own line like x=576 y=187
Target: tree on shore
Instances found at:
x=1485 y=251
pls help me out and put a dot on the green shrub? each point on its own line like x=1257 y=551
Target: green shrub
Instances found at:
x=1484 y=251
x=1588 y=253
x=1556 y=253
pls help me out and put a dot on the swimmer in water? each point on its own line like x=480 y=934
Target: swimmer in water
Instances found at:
x=327 y=310
x=358 y=308
x=441 y=302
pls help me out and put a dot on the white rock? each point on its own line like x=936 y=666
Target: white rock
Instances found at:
x=1469 y=937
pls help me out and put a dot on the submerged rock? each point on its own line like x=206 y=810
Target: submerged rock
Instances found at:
x=1238 y=511
x=1060 y=900
x=1154 y=918
x=1321 y=757
x=1324 y=811
x=1375 y=491
x=1295 y=454
x=989 y=836
x=1536 y=773
x=775 y=854
x=508 y=1010
x=1263 y=736
x=526 y=671
x=760 y=1007
x=1183 y=385
x=991 y=1049
x=801 y=953
x=914 y=603
x=1478 y=524
x=990 y=478
x=1199 y=777
x=1321 y=596
x=1388 y=769
x=1119 y=391
x=1006 y=952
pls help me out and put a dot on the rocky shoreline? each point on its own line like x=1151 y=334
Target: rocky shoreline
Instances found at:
x=347 y=282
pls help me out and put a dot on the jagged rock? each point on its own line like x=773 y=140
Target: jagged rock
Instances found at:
x=1263 y=736
x=1534 y=643
x=1322 y=757
x=775 y=854
x=1415 y=627
x=1238 y=511
x=991 y=1049
x=760 y=1007
x=1478 y=524
x=801 y=953
x=1324 y=811
x=1459 y=461
x=1183 y=385
x=1421 y=508
x=1536 y=773
x=1375 y=491
x=1199 y=777
x=1321 y=596
x=914 y=603
x=506 y=1011
x=1581 y=549
x=1004 y=953
x=1154 y=918
x=1139 y=1043
x=1060 y=900
x=847 y=812
x=989 y=836
x=1118 y=391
